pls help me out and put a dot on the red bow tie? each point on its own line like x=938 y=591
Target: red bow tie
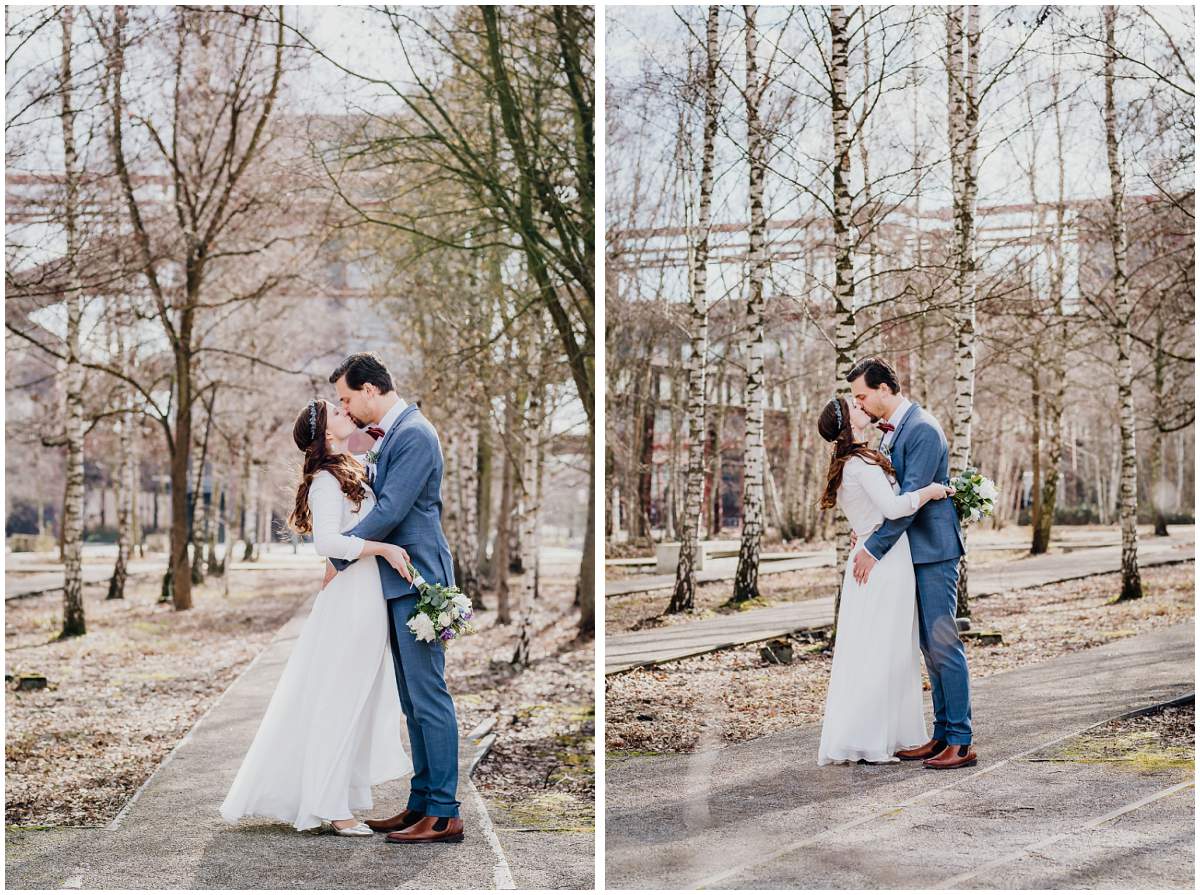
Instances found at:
x=884 y=426
x=375 y=432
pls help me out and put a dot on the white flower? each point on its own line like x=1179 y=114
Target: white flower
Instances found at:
x=988 y=490
x=422 y=627
x=976 y=515
x=461 y=601
x=444 y=620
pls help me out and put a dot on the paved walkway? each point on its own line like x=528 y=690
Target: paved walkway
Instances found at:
x=170 y=835
x=1069 y=540
x=762 y=815
x=655 y=645
x=719 y=569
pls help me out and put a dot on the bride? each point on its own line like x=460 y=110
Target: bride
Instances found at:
x=332 y=728
x=873 y=706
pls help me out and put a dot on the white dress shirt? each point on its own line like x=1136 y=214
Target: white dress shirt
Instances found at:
x=894 y=419
x=389 y=420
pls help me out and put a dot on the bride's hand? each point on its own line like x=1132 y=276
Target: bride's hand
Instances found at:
x=397 y=558
x=940 y=492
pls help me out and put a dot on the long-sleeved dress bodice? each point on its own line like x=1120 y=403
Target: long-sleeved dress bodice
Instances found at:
x=333 y=513
x=867 y=496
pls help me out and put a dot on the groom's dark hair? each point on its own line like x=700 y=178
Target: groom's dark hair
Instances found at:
x=878 y=372
x=361 y=368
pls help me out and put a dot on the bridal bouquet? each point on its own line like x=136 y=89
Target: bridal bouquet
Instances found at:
x=442 y=613
x=974 y=495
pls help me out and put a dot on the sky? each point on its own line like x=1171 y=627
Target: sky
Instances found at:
x=647 y=49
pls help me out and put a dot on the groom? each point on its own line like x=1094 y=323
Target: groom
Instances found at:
x=407 y=480
x=914 y=443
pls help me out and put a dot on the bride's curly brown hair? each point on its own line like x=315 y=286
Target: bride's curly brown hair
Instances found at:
x=834 y=426
x=309 y=435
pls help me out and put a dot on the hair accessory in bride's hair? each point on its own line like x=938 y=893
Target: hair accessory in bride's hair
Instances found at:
x=312 y=418
x=837 y=407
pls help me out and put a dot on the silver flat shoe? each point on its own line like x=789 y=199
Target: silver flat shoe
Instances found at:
x=359 y=829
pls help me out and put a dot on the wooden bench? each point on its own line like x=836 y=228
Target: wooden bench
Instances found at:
x=667 y=554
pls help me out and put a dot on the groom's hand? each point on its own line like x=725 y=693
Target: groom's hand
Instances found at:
x=330 y=571
x=863 y=563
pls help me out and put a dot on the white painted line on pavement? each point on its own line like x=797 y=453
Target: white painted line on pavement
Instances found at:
x=501 y=873
x=955 y=882
x=920 y=797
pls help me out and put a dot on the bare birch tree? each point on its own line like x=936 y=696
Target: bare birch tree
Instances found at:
x=1131 y=579
x=745 y=582
x=73 y=615
x=683 y=598
x=962 y=82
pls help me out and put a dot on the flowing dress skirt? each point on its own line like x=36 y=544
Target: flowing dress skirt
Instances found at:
x=332 y=728
x=874 y=707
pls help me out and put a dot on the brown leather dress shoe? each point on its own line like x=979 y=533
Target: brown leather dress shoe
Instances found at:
x=401 y=821
x=423 y=831
x=918 y=753
x=950 y=759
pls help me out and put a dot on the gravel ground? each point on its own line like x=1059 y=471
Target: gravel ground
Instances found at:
x=733 y=695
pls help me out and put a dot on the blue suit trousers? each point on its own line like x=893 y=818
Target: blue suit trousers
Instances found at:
x=429 y=713
x=945 y=658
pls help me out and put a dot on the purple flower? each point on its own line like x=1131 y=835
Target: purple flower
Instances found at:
x=447 y=634
x=467 y=615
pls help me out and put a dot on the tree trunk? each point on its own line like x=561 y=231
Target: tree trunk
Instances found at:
x=214 y=519
x=1158 y=487
x=1035 y=491
x=745 y=583
x=586 y=592
x=1131 y=580
x=72 y=526
x=963 y=128
x=126 y=498
x=683 y=598
x=250 y=509
x=483 y=511
x=846 y=327
x=1057 y=367
x=529 y=518
x=504 y=522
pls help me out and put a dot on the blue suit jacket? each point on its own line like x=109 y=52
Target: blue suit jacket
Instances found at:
x=920 y=456
x=408 y=509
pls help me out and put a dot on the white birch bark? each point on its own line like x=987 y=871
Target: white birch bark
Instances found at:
x=745 y=584
x=528 y=512
x=846 y=327
x=683 y=598
x=1131 y=580
x=73 y=613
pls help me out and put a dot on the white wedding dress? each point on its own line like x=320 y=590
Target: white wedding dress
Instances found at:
x=332 y=728
x=874 y=706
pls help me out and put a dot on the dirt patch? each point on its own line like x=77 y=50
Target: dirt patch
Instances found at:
x=734 y=695
x=121 y=697
x=1161 y=741
x=540 y=774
